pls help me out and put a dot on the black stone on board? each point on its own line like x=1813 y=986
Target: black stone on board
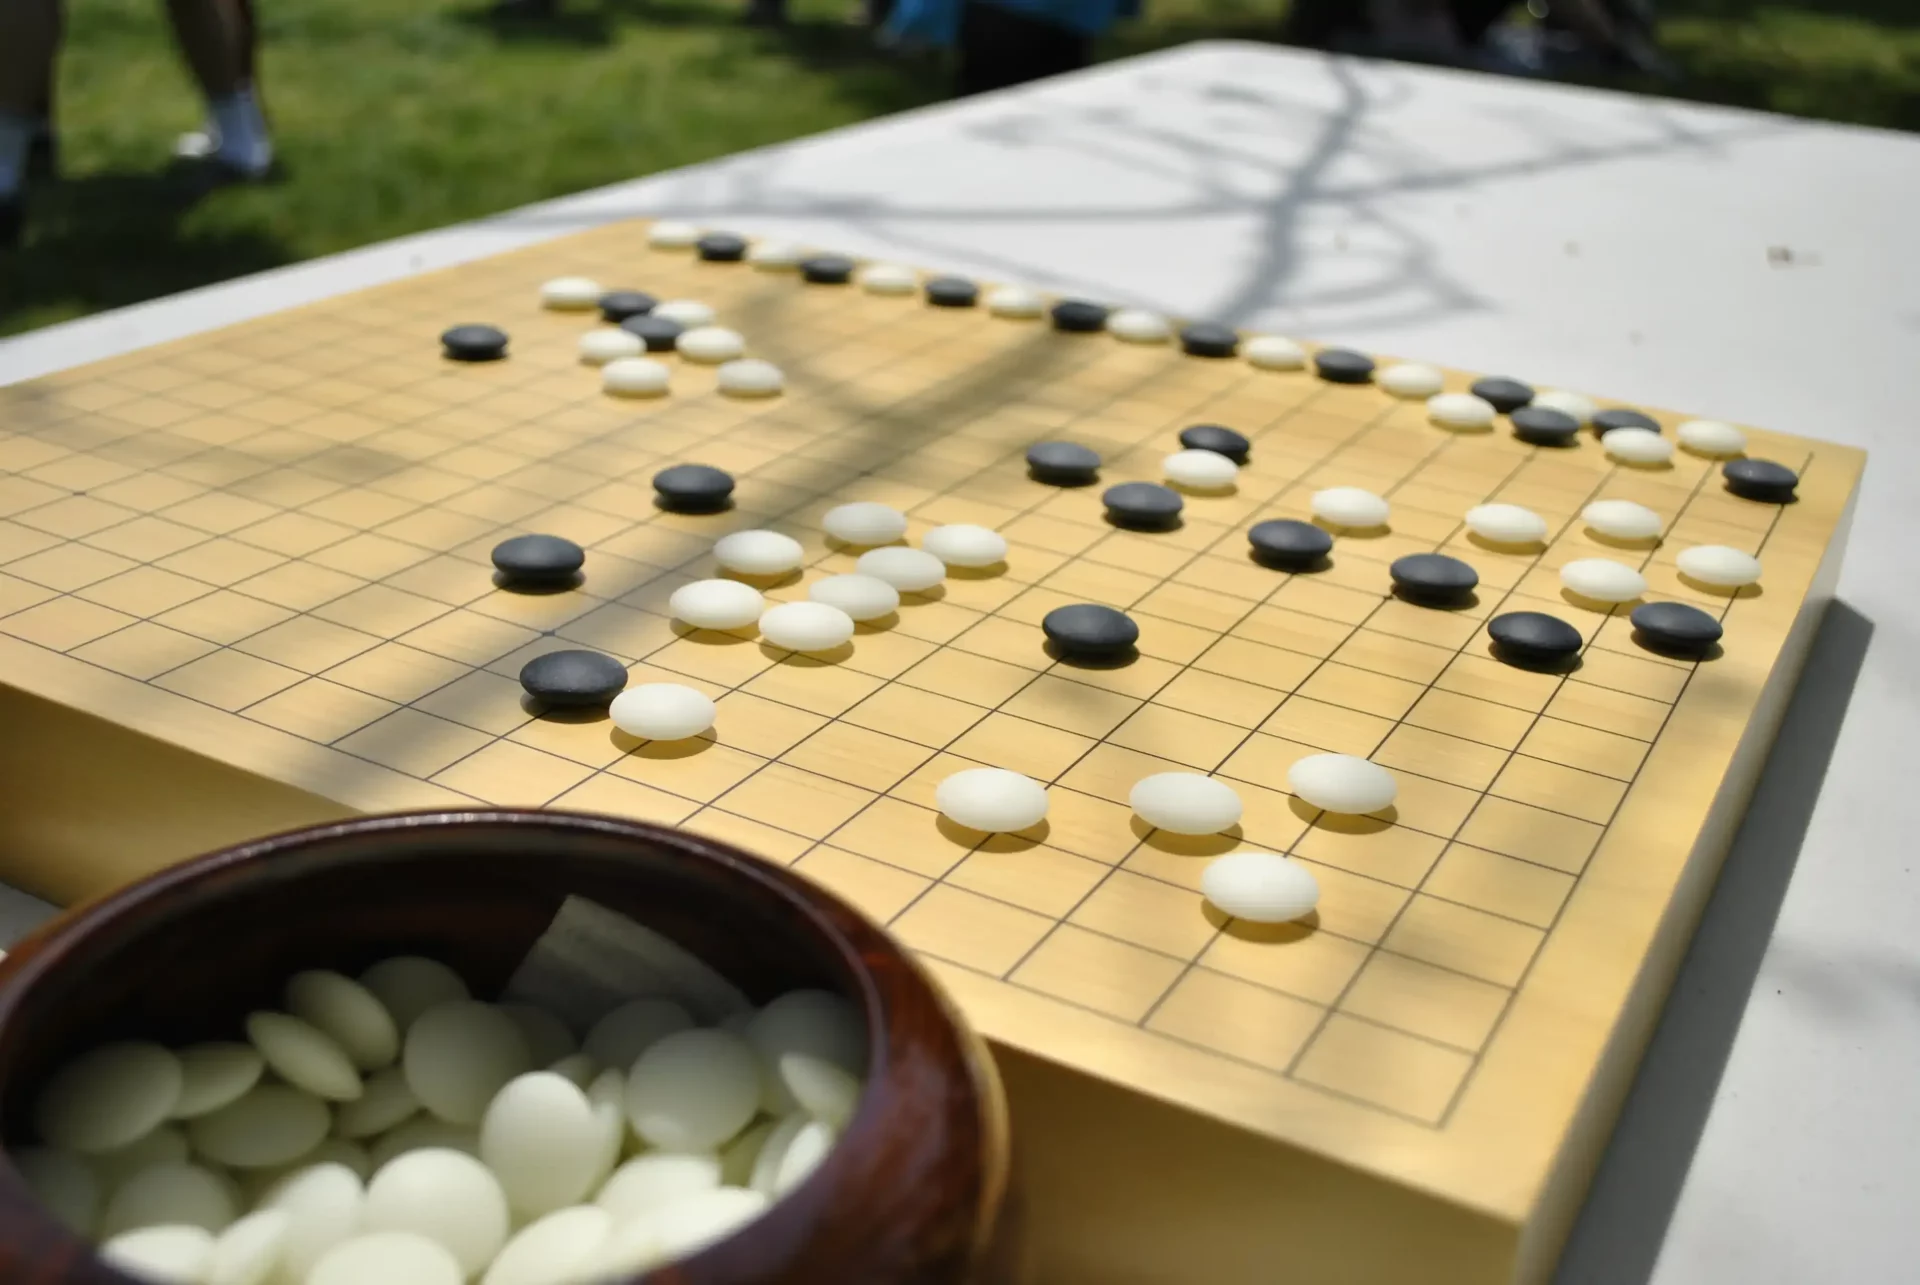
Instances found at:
x=1079 y=317
x=1209 y=339
x=1142 y=506
x=1288 y=544
x=1062 y=463
x=538 y=559
x=693 y=488
x=1544 y=426
x=573 y=678
x=1761 y=480
x=827 y=269
x=1089 y=632
x=1432 y=578
x=1606 y=421
x=617 y=305
x=658 y=333
x=1217 y=438
x=1675 y=627
x=474 y=343
x=722 y=247
x=1343 y=366
x=1503 y=394
x=952 y=292
x=1533 y=637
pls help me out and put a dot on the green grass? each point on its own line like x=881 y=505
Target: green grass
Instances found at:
x=395 y=116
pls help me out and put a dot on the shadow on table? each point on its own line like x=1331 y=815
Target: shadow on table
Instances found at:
x=1618 y=1237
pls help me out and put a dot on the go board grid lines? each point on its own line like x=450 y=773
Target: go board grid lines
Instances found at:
x=265 y=347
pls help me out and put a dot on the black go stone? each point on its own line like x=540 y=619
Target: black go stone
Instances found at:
x=693 y=488
x=1209 y=339
x=1079 y=317
x=952 y=292
x=1217 y=438
x=1606 y=421
x=827 y=269
x=1533 y=637
x=1761 y=480
x=474 y=343
x=538 y=559
x=1675 y=627
x=1142 y=506
x=1085 y=631
x=1062 y=463
x=1288 y=544
x=722 y=247
x=617 y=305
x=658 y=333
x=1343 y=366
x=573 y=678
x=1544 y=426
x=1432 y=578
x=1503 y=394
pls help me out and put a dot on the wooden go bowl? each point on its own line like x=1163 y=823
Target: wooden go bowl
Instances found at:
x=911 y=1194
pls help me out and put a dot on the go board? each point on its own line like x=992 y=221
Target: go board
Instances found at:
x=244 y=583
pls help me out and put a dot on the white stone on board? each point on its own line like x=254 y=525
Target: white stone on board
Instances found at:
x=1274 y=352
x=1350 y=506
x=672 y=234
x=861 y=597
x=1016 y=302
x=864 y=522
x=1138 y=326
x=1200 y=470
x=686 y=313
x=992 y=799
x=1341 y=783
x=1460 y=411
x=570 y=294
x=635 y=377
x=775 y=256
x=1506 y=524
x=908 y=570
x=662 y=711
x=806 y=626
x=1185 y=802
x=759 y=553
x=710 y=345
x=1260 y=887
x=751 y=377
x=1712 y=438
x=888 y=278
x=717 y=604
x=1603 y=580
x=1577 y=405
x=1411 y=379
x=962 y=544
x=1719 y=565
x=1640 y=446
x=1622 y=519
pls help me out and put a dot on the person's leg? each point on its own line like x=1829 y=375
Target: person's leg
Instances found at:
x=29 y=41
x=217 y=39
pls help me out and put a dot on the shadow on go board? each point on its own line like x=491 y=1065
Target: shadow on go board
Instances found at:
x=1619 y=1234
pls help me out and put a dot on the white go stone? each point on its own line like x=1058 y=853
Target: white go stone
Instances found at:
x=1602 y=580
x=553 y=1249
x=1185 y=803
x=608 y=343
x=1138 y=326
x=167 y=1254
x=547 y=1037
x=750 y=377
x=685 y=1226
x=1411 y=379
x=247 y=1252
x=661 y=712
x=1274 y=352
x=806 y=626
x=541 y=1141
x=409 y=985
x=1577 y=405
x=908 y=570
x=115 y=1167
x=693 y=1090
x=109 y=1097
x=888 y=278
x=619 y=1038
x=388 y=1258
x=758 y=553
x=775 y=256
x=458 y=1055
x=1260 y=887
x=446 y=1196
x=1341 y=783
x=962 y=544
x=348 y=1013
x=1200 y=470
x=655 y=1178
x=65 y=1184
x=1640 y=446
x=1460 y=411
x=671 y=234
x=1350 y=506
x=1622 y=519
x=214 y=1074
x=826 y=1092
x=738 y=1157
x=823 y=1029
x=766 y=1165
x=384 y=1101
x=802 y=1156
x=421 y=1132
x=993 y=799
x=173 y=1193
x=271 y=1124
x=323 y=1204
x=303 y=1056
x=864 y=522
x=861 y=597
x=710 y=345
x=1016 y=302
x=688 y=314
x=717 y=604
x=1719 y=565
x=635 y=377
x=1712 y=438
x=1506 y=524
x=570 y=294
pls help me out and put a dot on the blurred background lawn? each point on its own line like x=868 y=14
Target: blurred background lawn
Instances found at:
x=399 y=115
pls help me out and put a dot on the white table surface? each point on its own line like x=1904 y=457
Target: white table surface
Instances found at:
x=1730 y=264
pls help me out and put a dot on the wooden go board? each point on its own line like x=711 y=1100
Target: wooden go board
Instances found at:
x=244 y=582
